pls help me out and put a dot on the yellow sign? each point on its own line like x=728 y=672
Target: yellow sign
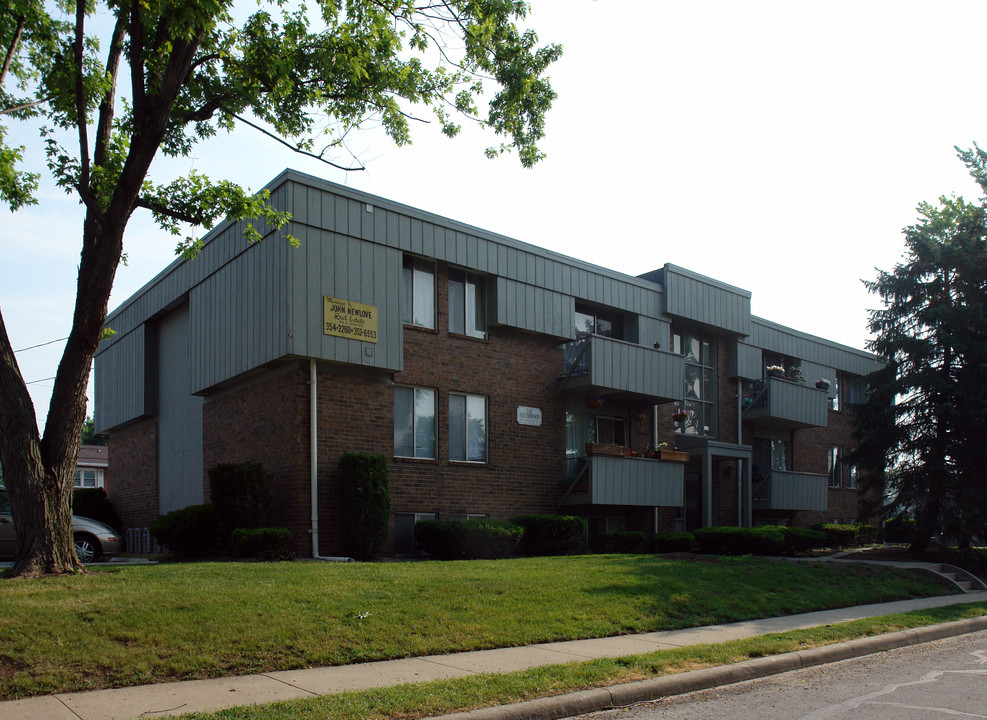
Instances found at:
x=346 y=319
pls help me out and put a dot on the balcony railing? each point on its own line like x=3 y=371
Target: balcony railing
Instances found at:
x=606 y=480
x=786 y=490
x=602 y=364
x=786 y=404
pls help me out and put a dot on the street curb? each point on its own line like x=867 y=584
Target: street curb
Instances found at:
x=587 y=701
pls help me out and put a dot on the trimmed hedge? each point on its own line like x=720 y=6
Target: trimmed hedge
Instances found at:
x=846 y=536
x=624 y=543
x=671 y=542
x=365 y=493
x=93 y=503
x=189 y=532
x=801 y=540
x=480 y=538
x=899 y=530
x=550 y=534
x=263 y=543
x=761 y=540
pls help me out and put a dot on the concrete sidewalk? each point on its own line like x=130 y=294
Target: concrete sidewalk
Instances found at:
x=166 y=699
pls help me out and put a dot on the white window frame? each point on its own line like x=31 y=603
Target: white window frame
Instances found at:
x=418 y=296
x=834 y=466
x=470 y=405
x=417 y=393
x=467 y=308
x=79 y=481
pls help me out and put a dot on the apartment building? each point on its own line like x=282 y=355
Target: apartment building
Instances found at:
x=497 y=377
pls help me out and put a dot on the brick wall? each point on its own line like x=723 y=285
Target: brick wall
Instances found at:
x=265 y=419
x=811 y=447
x=134 y=490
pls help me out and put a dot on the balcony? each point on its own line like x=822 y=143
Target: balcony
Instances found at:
x=605 y=480
x=785 y=404
x=600 y=365
x=786 y=490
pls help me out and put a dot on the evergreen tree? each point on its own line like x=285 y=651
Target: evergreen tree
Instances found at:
x=921 y=432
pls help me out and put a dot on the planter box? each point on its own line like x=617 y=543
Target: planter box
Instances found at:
x=606 y=449
x=674 y=455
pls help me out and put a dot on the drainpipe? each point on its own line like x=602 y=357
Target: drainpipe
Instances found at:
x=740 y=465
x=313 y=417
x=654 y=444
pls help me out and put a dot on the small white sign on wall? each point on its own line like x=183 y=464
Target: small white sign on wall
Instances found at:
x=529 y=416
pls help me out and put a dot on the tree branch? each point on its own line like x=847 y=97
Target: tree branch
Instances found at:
x=161 y=209
x=296 y=149
x=25 y=106
x=80 y=92
x=105 y=125
x=12 y=50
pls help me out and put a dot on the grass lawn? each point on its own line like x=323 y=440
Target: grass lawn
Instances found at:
x=134 y=625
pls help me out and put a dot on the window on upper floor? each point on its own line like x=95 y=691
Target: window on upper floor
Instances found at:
x=418 y=292
x=854 y=391
x=834 y=465
x=591 y=320
x=699 y=396
x=611 y=430
x=414 y=422
x=852 y=476
x=467 y=312
x=467 y=428
x=791 y=367
x=834 y=400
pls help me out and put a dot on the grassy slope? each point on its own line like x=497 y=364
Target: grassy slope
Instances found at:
x=149 y=624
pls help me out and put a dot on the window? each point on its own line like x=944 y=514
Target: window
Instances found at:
x=580 y=429
x=418 y=292
x=466 y=306
x=834 y=401
x=611 y=430
x=854 y=392
x=88 y=478
x=834 y=466
x=852 y=476
x=468 y=428
x=699 y=396
x=597 y=321
x=414 y=422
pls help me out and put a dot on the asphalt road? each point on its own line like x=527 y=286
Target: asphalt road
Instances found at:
x=942 y=679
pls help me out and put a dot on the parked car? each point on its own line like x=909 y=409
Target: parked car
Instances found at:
x=93 y=540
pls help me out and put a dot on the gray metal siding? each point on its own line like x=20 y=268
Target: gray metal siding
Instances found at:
x=796 y=491
x=793 y=403
x=119 y=381
x=636 y=481
x=179 y=417
x=618 y=365
x=745 y=361
x=785 y=341
x=704 y=300
x=531 y=308
x=334 y=265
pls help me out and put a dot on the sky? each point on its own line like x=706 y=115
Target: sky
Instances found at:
x=780 y=147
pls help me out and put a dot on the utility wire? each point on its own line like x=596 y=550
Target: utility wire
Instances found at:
x=50 y=342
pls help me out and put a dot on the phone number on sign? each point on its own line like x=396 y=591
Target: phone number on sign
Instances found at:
x=351 y=331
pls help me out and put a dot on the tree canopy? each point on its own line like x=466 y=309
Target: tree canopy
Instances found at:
x=921 y=432
x=111 y=84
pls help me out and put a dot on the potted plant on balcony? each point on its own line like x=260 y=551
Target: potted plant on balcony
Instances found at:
x=607 y=449
x=775 y=371
x=822 y=384
x=680 y=415
x=674 y=455
x=594 y=403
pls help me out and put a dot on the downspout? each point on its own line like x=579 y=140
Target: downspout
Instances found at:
x=654 y=444
x=740 y=437
x=313 y=384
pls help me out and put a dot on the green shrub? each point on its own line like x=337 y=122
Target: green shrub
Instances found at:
x=550 y=534
x=468 y=539
x=867 y=534
x=365 y=495
x=241 y=495
x=839 y=536
x=899 y=530
x=93 y=503
x=625 y=543
x=189 y=532
x=801 y=540
x=670 y=542
x=263 y=543
x=730 y=540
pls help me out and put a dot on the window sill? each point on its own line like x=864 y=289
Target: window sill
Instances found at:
x=473 y=338
x=421 y=328
x=416 y=460
x=470 y=463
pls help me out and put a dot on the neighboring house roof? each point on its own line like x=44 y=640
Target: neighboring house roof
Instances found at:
x=96 y=456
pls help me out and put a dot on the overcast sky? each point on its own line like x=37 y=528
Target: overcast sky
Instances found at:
x=777 y=146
